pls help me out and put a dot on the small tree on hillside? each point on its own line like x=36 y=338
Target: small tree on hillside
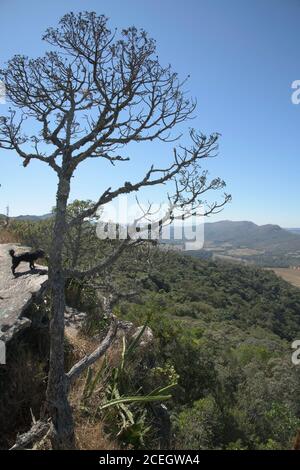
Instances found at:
x=90 y=96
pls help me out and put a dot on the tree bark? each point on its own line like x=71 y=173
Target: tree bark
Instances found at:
x=90 y=359
x=57 y=399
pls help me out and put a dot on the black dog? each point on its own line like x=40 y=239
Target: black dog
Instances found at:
x=26 y=257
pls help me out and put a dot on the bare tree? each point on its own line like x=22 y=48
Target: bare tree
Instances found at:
x=95 y=92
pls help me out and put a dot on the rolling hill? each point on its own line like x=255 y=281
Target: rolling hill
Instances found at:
x=249 y=235
x=264 y=245
x=34 y=218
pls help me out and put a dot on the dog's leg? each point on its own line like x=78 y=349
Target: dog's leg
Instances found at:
x=13 y=268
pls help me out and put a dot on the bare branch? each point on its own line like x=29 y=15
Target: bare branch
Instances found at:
x=38 y=430
x=104 y=264
x=87 y=361
x=201 y=148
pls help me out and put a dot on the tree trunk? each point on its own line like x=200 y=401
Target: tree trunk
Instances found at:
x=57 y=399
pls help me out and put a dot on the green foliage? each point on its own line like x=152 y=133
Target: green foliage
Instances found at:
x=226 y=330
x=125 y=415
x=222 y=333
x=81 y=244
x=33 y=234
x=200 y=426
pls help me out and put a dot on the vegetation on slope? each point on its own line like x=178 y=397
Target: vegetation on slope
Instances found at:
x=222 y=331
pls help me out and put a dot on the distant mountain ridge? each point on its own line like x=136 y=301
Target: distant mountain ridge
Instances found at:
x=268 y=244
x=234 y=234
x=29 y=217
x=247 y=234
x=264 y=245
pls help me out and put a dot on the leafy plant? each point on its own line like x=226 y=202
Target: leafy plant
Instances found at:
x=125 y=412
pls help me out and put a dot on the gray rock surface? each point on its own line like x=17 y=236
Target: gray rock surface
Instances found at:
x=146 y=337
x=17 y=293
x=131 y=332
x=74 y=318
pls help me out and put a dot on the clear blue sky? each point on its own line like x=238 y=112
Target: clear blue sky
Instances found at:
x=242 y=56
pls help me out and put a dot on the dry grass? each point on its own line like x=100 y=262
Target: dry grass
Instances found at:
x=236 y=252
x=27 y=391
x=288 y=274
x=89 y=430
x=90 y=436
x=6 y=236
x=81 y=345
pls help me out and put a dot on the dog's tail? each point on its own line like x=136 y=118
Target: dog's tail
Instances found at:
x=12 y=253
